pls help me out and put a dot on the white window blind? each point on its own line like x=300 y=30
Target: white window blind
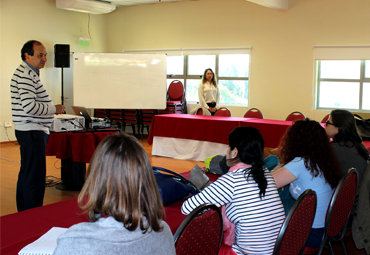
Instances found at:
x=359 y=52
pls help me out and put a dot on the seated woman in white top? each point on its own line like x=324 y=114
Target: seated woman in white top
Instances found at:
x=347 y=143
x=208 y=92
x=123 y=205
x=308 y=162
x=249 y=194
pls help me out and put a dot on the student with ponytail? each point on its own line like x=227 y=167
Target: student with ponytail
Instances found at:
x=248 y=194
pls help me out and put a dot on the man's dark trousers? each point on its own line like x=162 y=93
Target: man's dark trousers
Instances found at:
x=31 y=178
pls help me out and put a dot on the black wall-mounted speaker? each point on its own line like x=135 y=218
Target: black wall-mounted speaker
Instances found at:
x=61 y=55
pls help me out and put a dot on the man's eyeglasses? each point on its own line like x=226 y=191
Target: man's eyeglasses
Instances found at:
x=328 y=122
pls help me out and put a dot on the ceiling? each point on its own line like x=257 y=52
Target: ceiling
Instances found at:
x=137 y=2
x=274 y=4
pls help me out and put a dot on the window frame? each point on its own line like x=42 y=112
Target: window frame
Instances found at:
x=361 y=81
x=185 y=76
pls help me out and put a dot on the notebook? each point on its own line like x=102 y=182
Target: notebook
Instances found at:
x=46 y=244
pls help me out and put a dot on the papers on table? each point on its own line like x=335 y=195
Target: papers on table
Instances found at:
x=46 y=244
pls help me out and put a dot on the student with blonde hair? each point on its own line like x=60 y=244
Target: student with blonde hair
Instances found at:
x=122 y=202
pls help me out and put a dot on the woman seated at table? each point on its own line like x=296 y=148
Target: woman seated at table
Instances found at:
x=347 y=143
x=249 y=194
x=123 y=205
x=208 y=92
x=308 y=162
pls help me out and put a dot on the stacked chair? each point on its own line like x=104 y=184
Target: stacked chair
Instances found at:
x=101 y=113
x=176 y=102
x=115 y=116
x=131 y=117
x=146 y=119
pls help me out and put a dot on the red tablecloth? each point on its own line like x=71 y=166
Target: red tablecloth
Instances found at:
x=78 y=146
x=271 y=130
x=195 y=127
x=20 y=229
x=214 y=128
x=367 y=145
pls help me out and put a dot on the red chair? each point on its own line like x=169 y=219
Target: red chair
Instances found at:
x=176 y=102
x=146 y=119
x=253 y=113
x=223 y=111
x=338 y=213
x=201 y=232
x=200 y=111
x=115 y=116
x=297 y=225
x=325 y=118
x=131 y=117
x=100 y=113
x=295 y=116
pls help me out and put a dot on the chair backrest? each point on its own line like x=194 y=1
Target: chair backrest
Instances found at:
x=295 y=116
x=325 y=118
x=340 y=206
x=297 y=225
x=176 y=91
x=201 y=232
x=223 y=111
x=200 y=111
x=253 y=113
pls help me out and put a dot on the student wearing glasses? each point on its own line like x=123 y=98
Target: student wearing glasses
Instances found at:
x=347 y=143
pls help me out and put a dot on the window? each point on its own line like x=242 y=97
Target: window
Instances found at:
x=232 y=72
x=343 y=84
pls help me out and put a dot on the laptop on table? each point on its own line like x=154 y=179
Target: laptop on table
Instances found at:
x=90 y=123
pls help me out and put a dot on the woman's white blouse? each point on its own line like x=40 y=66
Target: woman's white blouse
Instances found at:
x=207 y=94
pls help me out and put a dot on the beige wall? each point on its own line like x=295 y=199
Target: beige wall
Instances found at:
x=281 y=68
x=23 y=20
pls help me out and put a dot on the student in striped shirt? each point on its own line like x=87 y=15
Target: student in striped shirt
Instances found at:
x=248 y=193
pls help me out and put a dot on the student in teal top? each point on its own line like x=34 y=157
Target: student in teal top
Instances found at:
x=308 y=162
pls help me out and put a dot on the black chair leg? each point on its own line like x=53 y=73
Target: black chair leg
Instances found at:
x=343 y=247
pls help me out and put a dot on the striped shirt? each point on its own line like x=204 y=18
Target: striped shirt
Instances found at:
x=32 y=108
x=257 y=221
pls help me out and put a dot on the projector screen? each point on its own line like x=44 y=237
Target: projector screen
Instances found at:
x=117 y=81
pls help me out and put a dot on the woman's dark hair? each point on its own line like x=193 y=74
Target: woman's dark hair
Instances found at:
x=121 y=184
x=249 y=143
x=28 y=48
x=214 y=79
x=307 y=139
x=347 y=131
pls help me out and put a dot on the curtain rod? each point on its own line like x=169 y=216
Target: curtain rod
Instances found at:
x=341 y=46
x=189 y=49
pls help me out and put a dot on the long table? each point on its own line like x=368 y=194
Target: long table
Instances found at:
x=20 y=229
x=75 y=150
x=197 y=137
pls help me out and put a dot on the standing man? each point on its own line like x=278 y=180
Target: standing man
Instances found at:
x=33 y=113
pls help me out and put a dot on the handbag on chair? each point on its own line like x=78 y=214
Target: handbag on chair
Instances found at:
x=173 y=186
x=363 y=127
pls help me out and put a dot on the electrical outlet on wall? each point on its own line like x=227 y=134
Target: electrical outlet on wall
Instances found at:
x=8 y=124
